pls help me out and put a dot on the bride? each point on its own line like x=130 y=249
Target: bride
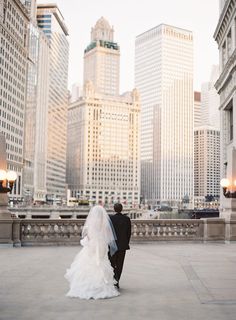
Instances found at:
x=91 y=275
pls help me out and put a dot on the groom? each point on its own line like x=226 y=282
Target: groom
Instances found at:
x=122 y=226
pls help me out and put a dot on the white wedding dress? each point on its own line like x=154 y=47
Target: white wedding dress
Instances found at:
x=91 y=274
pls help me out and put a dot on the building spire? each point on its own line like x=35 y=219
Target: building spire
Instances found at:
x=102 y=31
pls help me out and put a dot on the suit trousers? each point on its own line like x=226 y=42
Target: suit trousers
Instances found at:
x=117 y=261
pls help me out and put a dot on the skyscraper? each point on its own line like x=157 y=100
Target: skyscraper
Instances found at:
x=197 y=109
x=210 y=101
x=103 y=129
x=102 y=59
x=14 y=20
x=36 y=115
x=51 y=21
x=207 y=143
x=164 y=78
x=206 y=162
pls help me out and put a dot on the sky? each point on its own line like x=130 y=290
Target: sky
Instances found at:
x=133 y=17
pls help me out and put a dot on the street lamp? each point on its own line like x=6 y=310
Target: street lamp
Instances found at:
x=9 y=177
x=229 y=188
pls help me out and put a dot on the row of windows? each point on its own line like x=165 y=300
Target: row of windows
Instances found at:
x=11 y=9
x=11 y=118
x=11 y=107
x=7 y=126
x=9 y=53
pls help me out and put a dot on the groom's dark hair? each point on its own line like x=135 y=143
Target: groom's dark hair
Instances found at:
x=118 y=207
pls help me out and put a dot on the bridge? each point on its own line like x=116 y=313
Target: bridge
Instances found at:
x=164 y=280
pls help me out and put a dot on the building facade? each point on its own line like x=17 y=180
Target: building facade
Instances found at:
x=207 y=144
x=164 y=78
x=225 y=36
x=51 y=22
x=210 y=101
x=36 y=115
x=197 y=109
x=206 y=162
x=14 y=21
x=102 y=59
x=103 y=163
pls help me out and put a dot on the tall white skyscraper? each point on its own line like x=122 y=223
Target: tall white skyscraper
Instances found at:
x=51 y=21
x=103 y=161
x=164 y=78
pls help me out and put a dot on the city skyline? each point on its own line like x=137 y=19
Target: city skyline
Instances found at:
x=131 y=19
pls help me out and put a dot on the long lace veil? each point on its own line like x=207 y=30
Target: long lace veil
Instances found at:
x=99 y=227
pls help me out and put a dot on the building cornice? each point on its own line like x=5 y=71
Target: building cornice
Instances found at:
x=102 y=44
x=226 y=73
x=53 y=8
x=224 y=20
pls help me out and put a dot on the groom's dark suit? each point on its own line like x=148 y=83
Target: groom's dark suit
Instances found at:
x=122 y=226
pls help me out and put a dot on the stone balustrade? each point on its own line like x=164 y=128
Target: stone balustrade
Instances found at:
x=50 y=232
x=181 y=229
x=32 y=232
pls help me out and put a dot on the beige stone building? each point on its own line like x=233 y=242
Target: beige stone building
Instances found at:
x=14 y=21
x=225 y=36
x=102 y=59
x=50 y=20
x=36 y=112
x=103 y=129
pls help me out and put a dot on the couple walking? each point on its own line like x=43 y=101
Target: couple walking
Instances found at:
x=96 y=269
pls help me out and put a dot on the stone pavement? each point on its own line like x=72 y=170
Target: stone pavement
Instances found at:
x=161 y=280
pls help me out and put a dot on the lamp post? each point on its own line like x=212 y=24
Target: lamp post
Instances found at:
x=229 y=188
x=7 y=179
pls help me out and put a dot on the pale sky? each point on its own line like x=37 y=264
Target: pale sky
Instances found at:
x=133 y=17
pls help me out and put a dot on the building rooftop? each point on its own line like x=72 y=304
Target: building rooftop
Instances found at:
x=160 y=280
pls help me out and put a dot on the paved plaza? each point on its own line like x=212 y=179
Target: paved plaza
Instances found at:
x=161 y=280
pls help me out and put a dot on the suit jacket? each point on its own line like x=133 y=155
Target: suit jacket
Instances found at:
x=122 y=226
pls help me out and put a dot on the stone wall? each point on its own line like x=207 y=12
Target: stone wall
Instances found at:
x=40 y=232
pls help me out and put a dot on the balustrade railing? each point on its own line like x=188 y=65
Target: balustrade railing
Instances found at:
x=59 y=231
x=68 y=231
x=183 y=229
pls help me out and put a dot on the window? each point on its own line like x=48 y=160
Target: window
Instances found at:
x=223 y=54
x=231 y=135
x=229 y=110
x=229 y=43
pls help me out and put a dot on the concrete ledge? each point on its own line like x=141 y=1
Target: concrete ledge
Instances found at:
x=6 y=231
x=214 y=229
x=48 y=232
x=230 y=226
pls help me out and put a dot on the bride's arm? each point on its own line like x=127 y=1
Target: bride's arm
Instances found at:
x=85 y=238
x=100 y=252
